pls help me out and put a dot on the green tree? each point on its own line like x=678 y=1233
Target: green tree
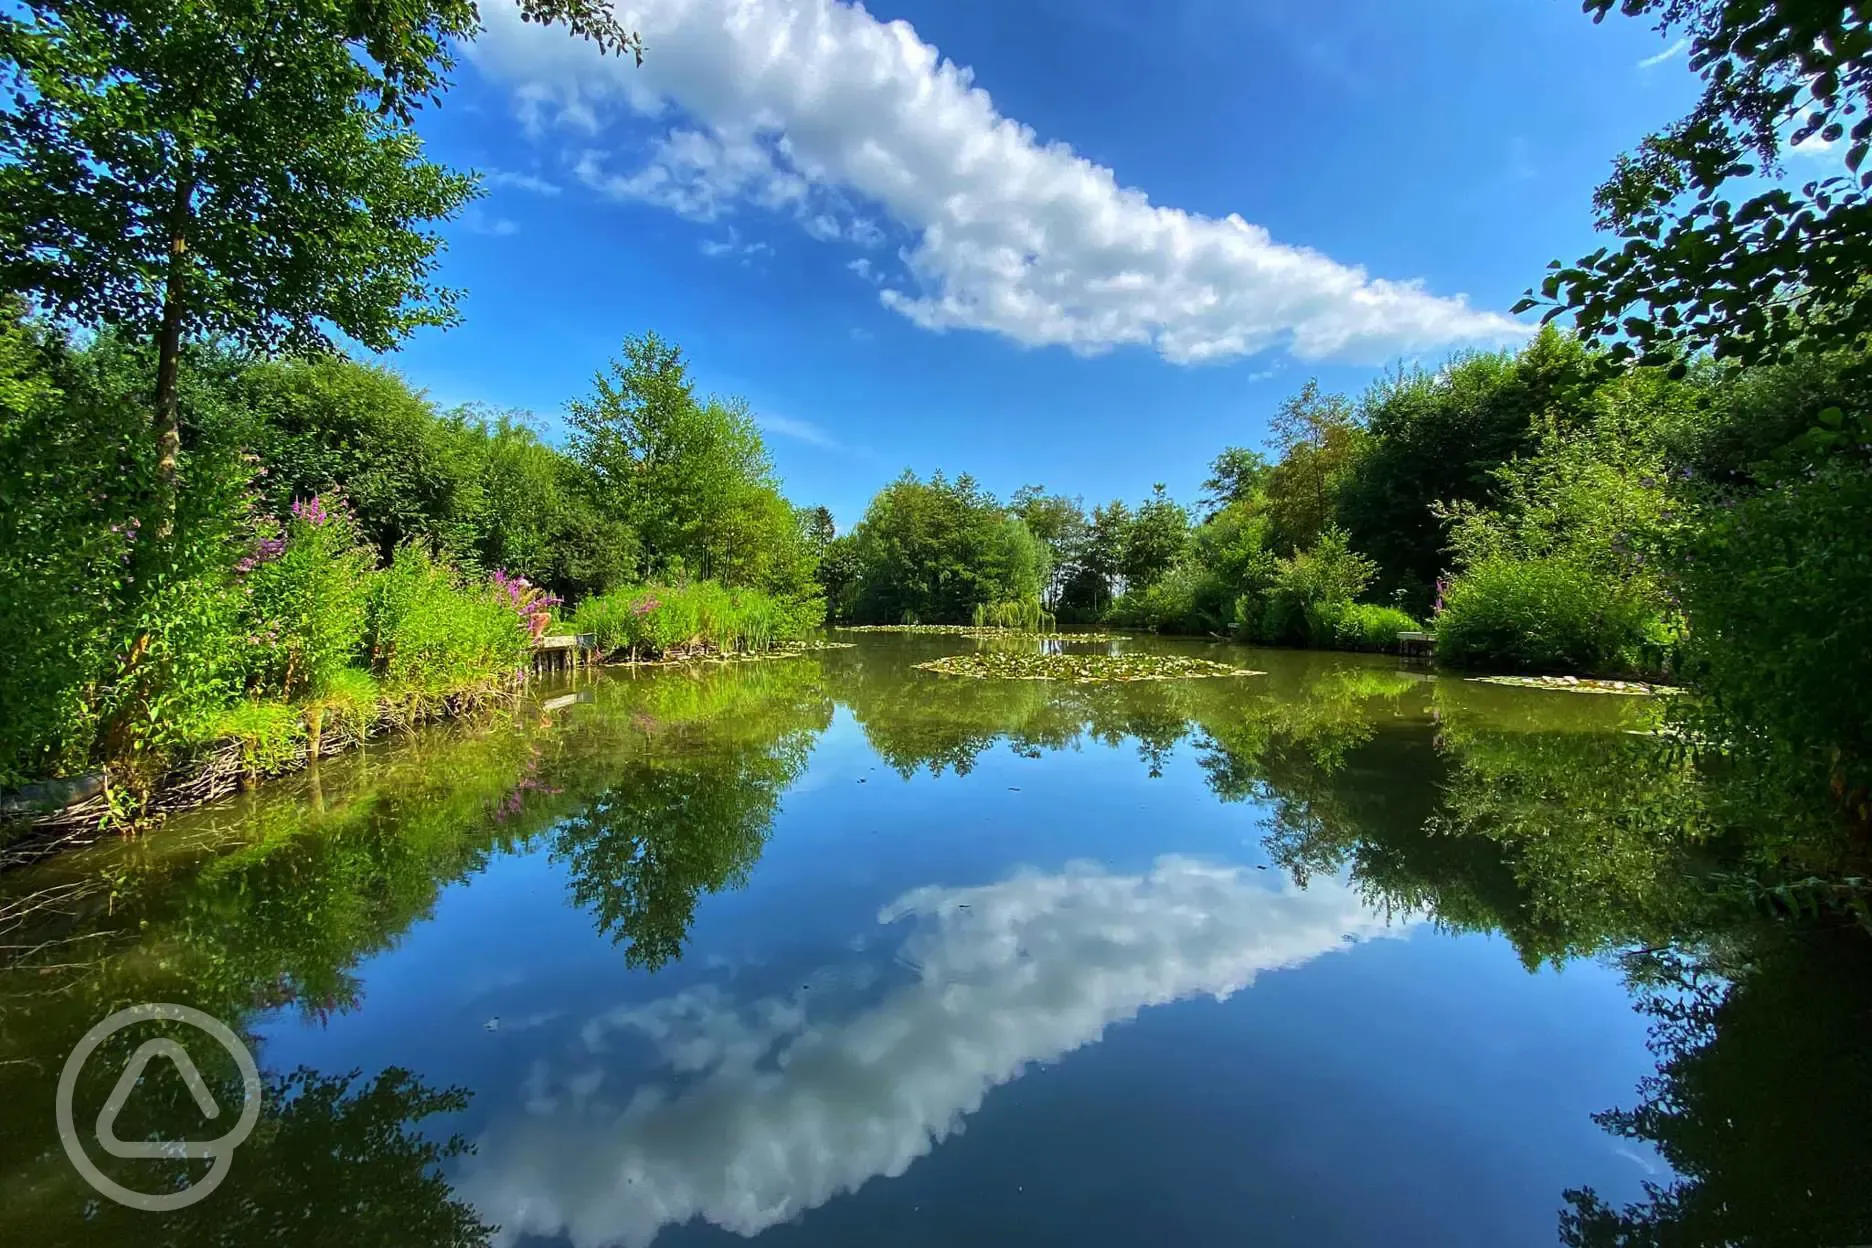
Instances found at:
x=1319 y=440
x=197 y=167
x=1155 y=540
x=690 y=476
x=1059 y=522
x=1235 y=476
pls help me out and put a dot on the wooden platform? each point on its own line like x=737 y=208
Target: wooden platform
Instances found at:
x=1414 y=645
x=565 y=650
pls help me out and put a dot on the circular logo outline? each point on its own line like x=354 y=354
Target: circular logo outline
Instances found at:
x=220 y=1149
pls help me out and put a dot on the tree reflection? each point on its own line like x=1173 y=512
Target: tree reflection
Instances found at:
x=334 y=1159
x=1760 y=1103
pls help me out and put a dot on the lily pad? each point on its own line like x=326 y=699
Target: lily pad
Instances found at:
x=1580 y=684
x=1082 y=669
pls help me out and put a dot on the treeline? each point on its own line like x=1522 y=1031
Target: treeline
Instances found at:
x=340 y=552
x=1543 y=510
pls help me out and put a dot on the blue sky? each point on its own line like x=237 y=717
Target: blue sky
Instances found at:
x=995 y=238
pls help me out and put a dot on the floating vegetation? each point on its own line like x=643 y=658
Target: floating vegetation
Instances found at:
x=1082 y=669
x=1579 y=684
x=972 y=630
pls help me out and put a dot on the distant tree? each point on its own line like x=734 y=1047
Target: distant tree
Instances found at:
x=1101 y=565
x=1157 y=536
x=1235 y=476
x=1319 y=439
x=1059 y=522
x=200 y=167
x=1786 y=269
x=690 y=476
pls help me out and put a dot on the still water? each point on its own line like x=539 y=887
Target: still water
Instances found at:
x=832 y=951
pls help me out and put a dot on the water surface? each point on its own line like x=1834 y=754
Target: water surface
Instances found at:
x=832 y=951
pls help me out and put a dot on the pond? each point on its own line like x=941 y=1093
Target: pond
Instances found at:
x=835 y=950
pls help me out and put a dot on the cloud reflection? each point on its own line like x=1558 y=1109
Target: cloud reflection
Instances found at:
x=764 y=1112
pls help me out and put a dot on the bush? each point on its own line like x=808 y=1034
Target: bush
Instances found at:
x=1548 y=615
x=432 y=635
x=307 y=591
x=655 y=620
x=1308 y=591
x=1360 y=626
x=1778 y=590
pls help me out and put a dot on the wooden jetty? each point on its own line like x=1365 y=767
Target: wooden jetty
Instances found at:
x=565 y=652
x=1414 y=645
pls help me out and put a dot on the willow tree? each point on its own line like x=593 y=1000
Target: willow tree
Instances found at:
x=242 y=169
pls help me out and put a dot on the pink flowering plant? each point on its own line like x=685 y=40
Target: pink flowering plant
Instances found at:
x=532 y=604
x=306 y=587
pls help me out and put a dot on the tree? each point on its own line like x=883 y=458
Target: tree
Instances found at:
x=192 y=168
x=1156 y=538
x=1788 y=268
x=1319 y=439
x=1235 y=476
x=1059 y=522
x=690 y=476
x=1437 y=438
x=1094 y=582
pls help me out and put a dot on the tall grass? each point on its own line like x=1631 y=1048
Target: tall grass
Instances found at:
x=655 y=621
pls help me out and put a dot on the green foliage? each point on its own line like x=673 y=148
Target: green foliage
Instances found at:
x=652 y=621
x=1547 y=614
x=1784 y=271
x=1023 y=615
x=1320 y=442
x=1360 y=626
x=1778 y=589
x=690 y=477
x=1158 y=533
x=269 y=734
x=431 y=636
x=307 y=603
x=934 y=550
x=1309 y=592
x=1437 y=439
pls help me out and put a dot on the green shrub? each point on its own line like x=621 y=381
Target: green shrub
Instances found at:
x=1548 y=615
x=1307 y=593
x=1360 y=626
x=431 y=635
x=1778 y=590
x=307 y=592
x=654 y=620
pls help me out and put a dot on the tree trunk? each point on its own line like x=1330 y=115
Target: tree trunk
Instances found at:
x=168 y=427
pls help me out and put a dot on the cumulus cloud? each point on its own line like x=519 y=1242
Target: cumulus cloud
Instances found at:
x=816 y=109
x=765 y=1109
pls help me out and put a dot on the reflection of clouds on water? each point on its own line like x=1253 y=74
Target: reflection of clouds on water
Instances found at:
x=767 y=1112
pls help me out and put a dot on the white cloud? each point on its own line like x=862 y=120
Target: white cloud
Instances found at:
x=863 y=267
x=733 y=245
x=768 y=1109
x=1813 y=146
x=1670 y=53
x=521 y=181
x=476 y=221
x=810 y=107
x=800 y=430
